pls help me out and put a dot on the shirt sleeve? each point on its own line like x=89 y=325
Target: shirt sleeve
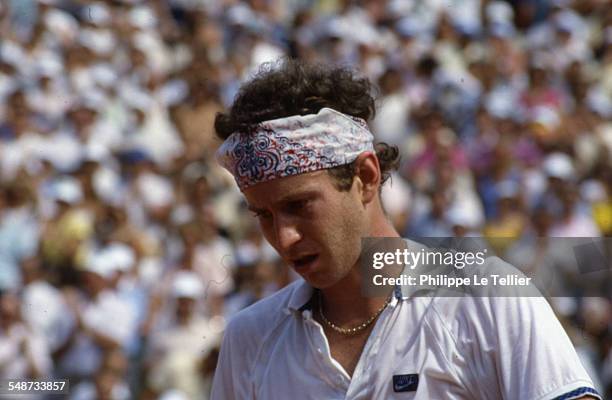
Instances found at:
x=222 y=387
x=232 y=380
x=525 y=352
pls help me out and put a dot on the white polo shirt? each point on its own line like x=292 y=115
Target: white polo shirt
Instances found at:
x=420 y=348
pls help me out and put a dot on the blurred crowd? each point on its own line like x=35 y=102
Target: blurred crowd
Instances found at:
x=124 y=248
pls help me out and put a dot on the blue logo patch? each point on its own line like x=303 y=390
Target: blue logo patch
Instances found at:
x=405 y=383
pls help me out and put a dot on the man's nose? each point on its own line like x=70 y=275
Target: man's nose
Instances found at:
x=287 y=233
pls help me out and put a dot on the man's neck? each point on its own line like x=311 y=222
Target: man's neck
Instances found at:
x=344 y=303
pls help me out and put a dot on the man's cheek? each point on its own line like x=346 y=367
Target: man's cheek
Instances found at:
x=268 y=234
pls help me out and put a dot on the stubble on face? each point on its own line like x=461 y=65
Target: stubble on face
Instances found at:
x=331 y=223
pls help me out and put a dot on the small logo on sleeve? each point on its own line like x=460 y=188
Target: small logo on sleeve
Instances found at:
x=405 y=383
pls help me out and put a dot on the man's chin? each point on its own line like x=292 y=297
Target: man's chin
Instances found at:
x=316 y=280
x=320 y=281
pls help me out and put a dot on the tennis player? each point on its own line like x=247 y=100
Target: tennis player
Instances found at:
x=298 y=145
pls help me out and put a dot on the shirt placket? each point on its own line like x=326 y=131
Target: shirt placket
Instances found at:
x=370 y=352
x=331 y=371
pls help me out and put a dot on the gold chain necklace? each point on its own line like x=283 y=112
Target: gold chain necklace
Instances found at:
x=356 y=329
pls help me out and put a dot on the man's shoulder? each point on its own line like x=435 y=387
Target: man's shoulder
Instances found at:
x=486 y=316
x=507 y=335
x=493 y=301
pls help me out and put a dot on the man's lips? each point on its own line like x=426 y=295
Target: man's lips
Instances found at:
x=304 y=261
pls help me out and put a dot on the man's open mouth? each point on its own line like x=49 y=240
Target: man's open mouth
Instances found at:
x=304 y=261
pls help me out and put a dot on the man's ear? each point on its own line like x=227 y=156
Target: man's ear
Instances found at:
x=367 y=171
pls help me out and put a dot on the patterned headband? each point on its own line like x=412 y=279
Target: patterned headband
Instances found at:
x=294 y=145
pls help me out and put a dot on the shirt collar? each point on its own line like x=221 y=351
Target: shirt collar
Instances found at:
x=301 y=297
x=406 y=291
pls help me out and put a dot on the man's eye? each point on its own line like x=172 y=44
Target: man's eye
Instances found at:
x=297 y=206
x=261 y=214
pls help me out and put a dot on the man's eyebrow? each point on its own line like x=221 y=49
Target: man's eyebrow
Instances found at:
x=297 y=196
x=287 y=199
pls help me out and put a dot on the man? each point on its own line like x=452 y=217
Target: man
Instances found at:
x=299 y=148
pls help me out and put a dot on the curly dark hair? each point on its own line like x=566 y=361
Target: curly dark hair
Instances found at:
x=292 y=87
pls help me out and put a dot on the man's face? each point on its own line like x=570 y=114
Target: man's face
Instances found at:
x=314 y=227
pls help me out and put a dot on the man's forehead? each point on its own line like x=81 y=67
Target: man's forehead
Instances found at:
x=286 y=189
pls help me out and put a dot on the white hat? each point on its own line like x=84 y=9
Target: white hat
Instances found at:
x=264 y=52
x=155 y=190
x=96 y=152
x=173 y=92
x=569 y=21
x=100 y=265
x=182 y=214
x=501 y=103
x=142 y=17
x=135 y=97
x=409 y=27
x=502 y=30
x=173 y=394
x=120 y=256
x=61 y=24
x=50 y=66
x=457 y=218
x=12 y=53
x=93 y=99
x=68 y=190
x=104 y=74
x=107 y=184
x=97 y=13
x=247 y=253
x=599 y=100
x=187 y=284
x=461 y=214
x=397 y=195
x=499 y=13
x=241 y=14
x=150 y=270
x=545 y=116
x=99 y=41
x=559 y=165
